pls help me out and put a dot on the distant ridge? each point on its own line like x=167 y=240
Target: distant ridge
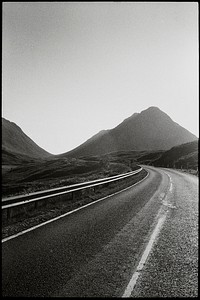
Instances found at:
x=152 y=129
x=182 y=156
x=15 y=141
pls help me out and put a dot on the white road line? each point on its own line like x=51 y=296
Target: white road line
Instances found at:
x=68 y=213
x=157 y=229
x=143 y=259
x=165 y=202
x=171 y=186
x=170 y=180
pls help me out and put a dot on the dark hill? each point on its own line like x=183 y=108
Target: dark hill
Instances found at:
x=16 y=144
x=151 y=130
x=183 y=156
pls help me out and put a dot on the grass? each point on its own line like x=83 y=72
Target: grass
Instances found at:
x=189 y=171
x=36 y=176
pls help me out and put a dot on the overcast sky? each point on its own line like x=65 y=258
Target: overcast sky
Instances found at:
x=71 y=69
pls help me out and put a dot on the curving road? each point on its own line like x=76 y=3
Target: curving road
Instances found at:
x=141 y=242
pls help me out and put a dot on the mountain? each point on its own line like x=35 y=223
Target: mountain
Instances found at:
x=152 y=129
x=17 y=145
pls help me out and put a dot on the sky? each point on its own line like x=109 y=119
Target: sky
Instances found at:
x=71 y=69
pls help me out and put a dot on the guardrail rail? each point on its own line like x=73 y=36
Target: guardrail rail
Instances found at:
x=16 y=201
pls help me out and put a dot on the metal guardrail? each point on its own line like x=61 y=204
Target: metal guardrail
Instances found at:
x=42 y=195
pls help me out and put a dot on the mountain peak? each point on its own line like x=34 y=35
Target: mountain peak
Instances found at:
x=155 y=108
x=155 y=114
x=152 y=129
x=151 y=109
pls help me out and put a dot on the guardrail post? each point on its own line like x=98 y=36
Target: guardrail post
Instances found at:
x=8 y=213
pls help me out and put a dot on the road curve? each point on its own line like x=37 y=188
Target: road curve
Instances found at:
x=172 y=266
x=95 y=251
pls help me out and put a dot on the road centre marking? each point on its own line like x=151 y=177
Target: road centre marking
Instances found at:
x=170 y=180
x=69 y=212
x=163 y=195
x=133 y=280
x=154 y=235
x=171 y=186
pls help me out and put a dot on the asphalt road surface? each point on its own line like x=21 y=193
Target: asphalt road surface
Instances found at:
x=142 y=242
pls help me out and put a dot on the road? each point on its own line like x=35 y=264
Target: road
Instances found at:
x=140 y=242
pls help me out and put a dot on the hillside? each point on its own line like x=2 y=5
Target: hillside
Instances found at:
x=150 y=130
x=183 y=156
x=45 y=174
x=16 y=145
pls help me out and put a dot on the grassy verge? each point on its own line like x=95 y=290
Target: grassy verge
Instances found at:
x=32 y=177
x=64 y=204
x=189 y=171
